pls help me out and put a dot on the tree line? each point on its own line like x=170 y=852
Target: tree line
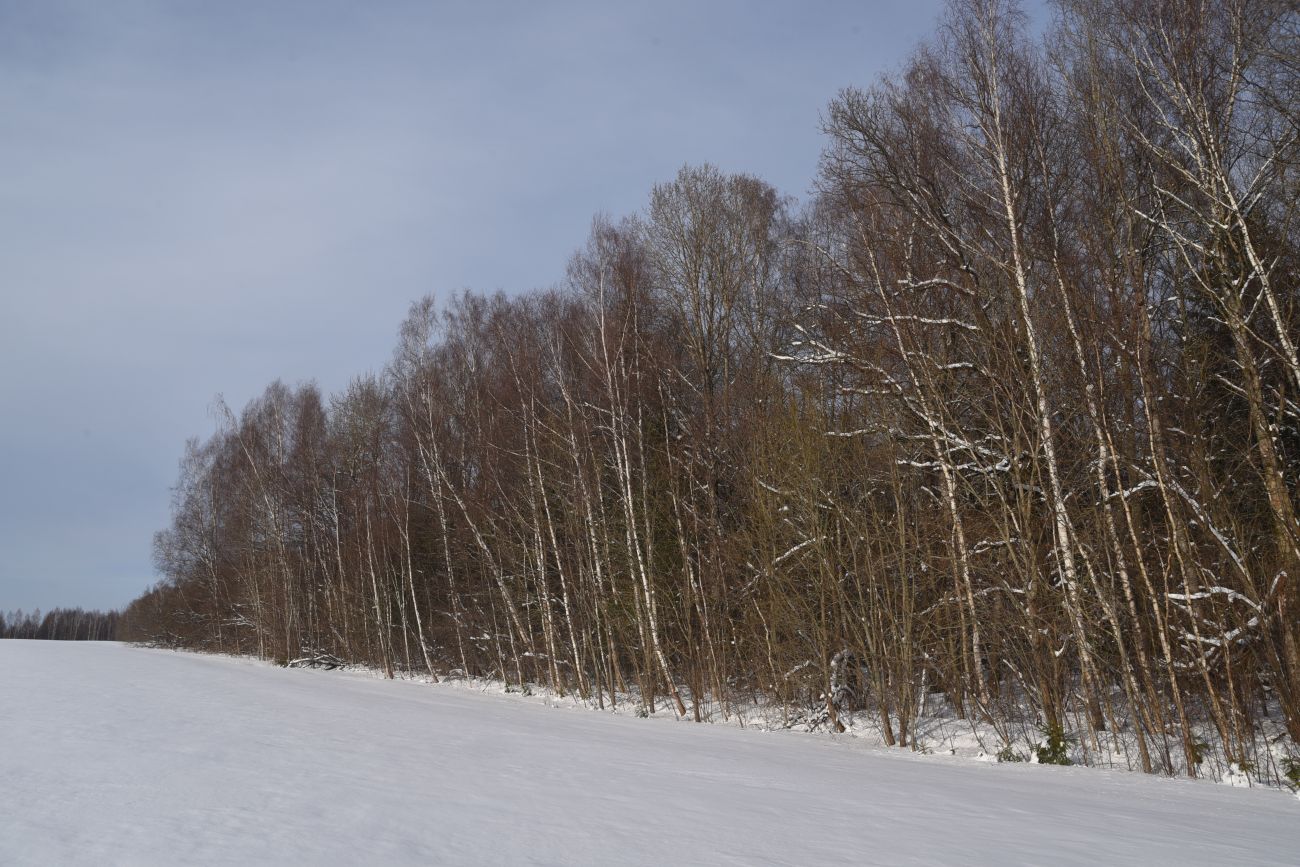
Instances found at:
x=1010 y=410
x=60 y=624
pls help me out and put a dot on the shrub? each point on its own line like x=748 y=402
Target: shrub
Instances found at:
x=1291 y=770
x=1006 y=754
x=1055 y=747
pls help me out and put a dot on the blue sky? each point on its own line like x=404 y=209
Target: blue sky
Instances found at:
x=199 y=198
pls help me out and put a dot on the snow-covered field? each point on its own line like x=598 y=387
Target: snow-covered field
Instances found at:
x=119 y=755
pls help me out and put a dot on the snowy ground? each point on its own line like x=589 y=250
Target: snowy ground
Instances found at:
x=119 y=755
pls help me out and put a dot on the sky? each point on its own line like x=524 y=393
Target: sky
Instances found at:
x=199 y=198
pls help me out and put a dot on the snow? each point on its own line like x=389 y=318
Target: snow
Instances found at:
x=111 y=754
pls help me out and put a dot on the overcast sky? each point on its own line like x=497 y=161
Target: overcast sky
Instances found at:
x=199 y=198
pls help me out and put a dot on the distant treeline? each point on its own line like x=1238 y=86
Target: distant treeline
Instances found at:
x=60 y=624
x=1010 y=409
